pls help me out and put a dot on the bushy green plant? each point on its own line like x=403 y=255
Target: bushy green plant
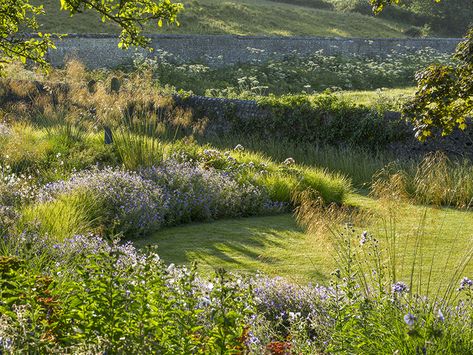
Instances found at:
x=296 y=74
x=137 y=143
x=118 y=301
x=323 y=119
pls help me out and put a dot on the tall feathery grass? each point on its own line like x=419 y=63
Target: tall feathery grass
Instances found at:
x=400 y=286
x=437 y=180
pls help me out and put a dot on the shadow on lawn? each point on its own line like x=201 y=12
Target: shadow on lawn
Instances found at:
x=246 y=245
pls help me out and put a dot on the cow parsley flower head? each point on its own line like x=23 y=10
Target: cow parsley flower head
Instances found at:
x=289 y=161
x=239 y=148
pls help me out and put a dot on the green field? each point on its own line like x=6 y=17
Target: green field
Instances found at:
x=242 y=17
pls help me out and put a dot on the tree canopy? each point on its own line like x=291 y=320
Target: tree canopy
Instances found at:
x=19 y=19
x=444 y=97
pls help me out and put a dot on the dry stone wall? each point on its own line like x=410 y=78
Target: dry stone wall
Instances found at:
x=221 y=112
x=98 y=51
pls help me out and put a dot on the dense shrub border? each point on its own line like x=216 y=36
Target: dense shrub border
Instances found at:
x=328 y=119
x=322 y=119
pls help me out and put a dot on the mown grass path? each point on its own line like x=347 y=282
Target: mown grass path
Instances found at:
x=276 y=245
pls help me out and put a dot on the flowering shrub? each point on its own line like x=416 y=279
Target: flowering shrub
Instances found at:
x=116 y=300
x=128 y=202
x=196 y=193
x=140 y=202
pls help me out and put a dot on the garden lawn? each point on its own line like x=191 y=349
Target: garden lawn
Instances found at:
x=277 y=246
x=274 y=245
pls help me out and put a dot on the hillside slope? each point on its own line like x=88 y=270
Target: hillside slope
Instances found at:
x=241 y=17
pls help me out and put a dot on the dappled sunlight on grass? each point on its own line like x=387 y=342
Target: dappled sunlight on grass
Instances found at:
x=273 y=245
x=238 y=17
x=276 y=245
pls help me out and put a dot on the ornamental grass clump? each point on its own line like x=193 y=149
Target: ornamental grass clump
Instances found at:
x=435 y=180
x=280 y=181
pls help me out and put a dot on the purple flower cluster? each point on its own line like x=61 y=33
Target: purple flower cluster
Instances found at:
x=399 y=288
x=90 y=244
x=196 y=193
x=66 y=254
x=279 y=300
x=465 y=283
x=129 y=201
x=172 y=193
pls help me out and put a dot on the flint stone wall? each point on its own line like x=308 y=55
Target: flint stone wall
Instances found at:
x=101 y=51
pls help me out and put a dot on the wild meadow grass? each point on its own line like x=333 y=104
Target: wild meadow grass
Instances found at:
x=238 y=18
x=435 y=180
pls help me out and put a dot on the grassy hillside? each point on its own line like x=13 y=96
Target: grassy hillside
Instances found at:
x=244 y=17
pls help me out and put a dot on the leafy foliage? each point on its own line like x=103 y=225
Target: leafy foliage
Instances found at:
x=19 y=19
x=16 y=16
x=444 y=98
x=119 y=301
x=129 y=15
x=324 y=118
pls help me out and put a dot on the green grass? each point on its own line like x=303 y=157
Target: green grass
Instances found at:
x=374 y=98
x=277 y=246
x=242 y=17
